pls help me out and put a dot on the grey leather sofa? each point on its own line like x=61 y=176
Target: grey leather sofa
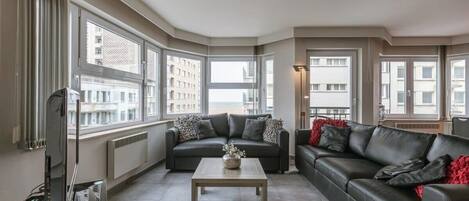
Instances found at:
x=187 y=155
x=348 y=176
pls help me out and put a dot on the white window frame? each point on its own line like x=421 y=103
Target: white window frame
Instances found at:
x=226 y=85
x=80 y=66
x=158 y=81
x=449 y=74
x=409 y=86
x=163 y=76
x=263 y=77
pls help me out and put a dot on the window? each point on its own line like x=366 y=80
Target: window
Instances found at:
x=427 y=97
x=268 y=84
x=457 y=86
x=427 y=72
x=152 y=82
x=410 y=87
x=331 y=81
x=188 y=89
x=240 y=93
x=114 y=90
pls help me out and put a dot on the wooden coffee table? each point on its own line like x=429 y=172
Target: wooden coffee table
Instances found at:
x=211 y=173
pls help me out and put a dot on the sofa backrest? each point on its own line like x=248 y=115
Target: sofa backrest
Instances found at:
x=359 y=137
x=448 y=144
x=393 y=146
x=237 y=122
x=219 y=123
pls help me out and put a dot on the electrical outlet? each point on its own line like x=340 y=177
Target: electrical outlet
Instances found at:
x=16 y=135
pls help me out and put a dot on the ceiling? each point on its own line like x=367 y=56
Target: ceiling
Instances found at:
x=253 y=18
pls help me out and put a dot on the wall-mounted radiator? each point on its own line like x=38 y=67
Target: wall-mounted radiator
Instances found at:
x=126 y=154
x=420 y=127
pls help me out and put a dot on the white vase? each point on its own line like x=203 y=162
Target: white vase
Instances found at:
x=231 y=161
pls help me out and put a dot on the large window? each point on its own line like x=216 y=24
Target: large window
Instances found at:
x=268 y=84
x=116 y=89
x=411 y=87
x=331 y=77
x=232 y=85
x=456 y=85
x=183 y=83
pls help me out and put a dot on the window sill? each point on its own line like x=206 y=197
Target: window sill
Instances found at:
x=117 y=130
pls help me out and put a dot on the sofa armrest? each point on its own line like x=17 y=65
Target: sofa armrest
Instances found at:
x=446 y=192
x=302 y=136
x=171 y=141
x=283 y=141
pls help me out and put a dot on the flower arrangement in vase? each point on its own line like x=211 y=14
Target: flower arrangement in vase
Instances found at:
x=232 y=157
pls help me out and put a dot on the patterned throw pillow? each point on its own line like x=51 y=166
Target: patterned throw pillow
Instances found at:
x=188 y=127
x=271 y=128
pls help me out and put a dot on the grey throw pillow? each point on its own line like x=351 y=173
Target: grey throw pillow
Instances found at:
x=334 y=138
x=188 y=127
x=271 y=128
x=253 y=129
x=391 y=171
x=206 y=129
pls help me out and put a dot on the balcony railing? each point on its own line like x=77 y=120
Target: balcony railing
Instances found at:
x=330 y=112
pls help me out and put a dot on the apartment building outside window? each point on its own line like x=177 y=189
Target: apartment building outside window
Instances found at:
x=186 y=71
x=456 y=85
x=411 y=87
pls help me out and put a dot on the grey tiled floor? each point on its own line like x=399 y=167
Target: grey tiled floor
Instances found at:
x=160 y=184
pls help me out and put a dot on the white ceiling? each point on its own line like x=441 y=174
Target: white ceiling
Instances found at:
x=252 y=18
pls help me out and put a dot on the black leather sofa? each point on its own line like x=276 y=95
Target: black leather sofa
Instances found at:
x=348 y=176
x=187 y=155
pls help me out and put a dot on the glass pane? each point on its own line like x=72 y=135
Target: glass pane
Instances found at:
x=105 y=48
x=107 y=102
x=458 y=87
x=232 y=72
x=151 y=98
x=393 y=96
x=269 y=70
x=183 y=85
x=425 y=85
x=233 y=101
x=330 y=94
x=153 y=64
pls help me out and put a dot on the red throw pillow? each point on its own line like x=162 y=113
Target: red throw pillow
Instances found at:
x=457 y=173
x=316 y=130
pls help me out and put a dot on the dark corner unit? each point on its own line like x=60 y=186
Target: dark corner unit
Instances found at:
x=187 y=155
x=348 y=176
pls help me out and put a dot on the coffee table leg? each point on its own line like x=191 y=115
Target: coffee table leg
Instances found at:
x=264 y=191
x=195 y=192
x=257 y=190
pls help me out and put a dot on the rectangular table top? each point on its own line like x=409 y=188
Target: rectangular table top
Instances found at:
x=212 y=169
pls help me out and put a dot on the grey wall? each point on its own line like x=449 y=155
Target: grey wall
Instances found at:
x=458 y=49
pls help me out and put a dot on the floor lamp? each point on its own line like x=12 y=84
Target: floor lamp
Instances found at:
x=300 y=68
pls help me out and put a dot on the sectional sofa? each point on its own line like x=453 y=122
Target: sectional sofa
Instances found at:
x=348 y=176
x=187 y=155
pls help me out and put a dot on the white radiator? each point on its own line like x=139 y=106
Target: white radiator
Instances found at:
x=420 y=127
x=126 y=154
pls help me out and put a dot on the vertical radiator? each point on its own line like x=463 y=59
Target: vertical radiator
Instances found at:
x=126 y=154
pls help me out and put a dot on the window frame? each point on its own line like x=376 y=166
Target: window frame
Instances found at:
x=164 y=101
x=409 y=86
x=263 y=81
x=230 y=85
x=158 y=81
x=449 y=76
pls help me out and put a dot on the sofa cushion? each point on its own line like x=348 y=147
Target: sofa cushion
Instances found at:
x=219 y=123
x=454 y=146
x=393 y=146
x=237 y=123
x=376 y=190
x=256 y=149
x=206 y=129
x=334 y=138
x=360 y=135
x=209 y=147
x=342 y=170
x=311 y=153
x=253 y=129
